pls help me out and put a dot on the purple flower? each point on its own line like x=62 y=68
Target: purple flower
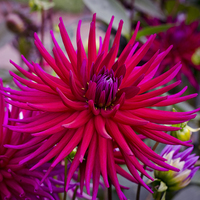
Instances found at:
x=97 y=103
x=184 y=161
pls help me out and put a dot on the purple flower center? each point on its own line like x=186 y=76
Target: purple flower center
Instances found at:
x=103 y=87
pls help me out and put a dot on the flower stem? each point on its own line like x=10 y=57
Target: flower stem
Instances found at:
x=131 y=16
x=159 y=195
x=65 y=192
x=50 y=14
x=110 y=190
x=139 y=185
x=75 y=191
x=42 y=33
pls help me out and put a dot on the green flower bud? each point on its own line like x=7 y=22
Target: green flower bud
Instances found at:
x=196 y=57
x=183 y=134
x=72 y=154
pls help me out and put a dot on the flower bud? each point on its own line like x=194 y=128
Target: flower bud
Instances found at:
x=196 y=57
x=15 y=23
x=184 y=161
x=184 y=134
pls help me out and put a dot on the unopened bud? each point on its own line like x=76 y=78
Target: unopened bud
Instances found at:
x=15 y=23
x=196 y=57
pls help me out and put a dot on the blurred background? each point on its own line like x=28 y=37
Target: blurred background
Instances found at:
x=176 y=22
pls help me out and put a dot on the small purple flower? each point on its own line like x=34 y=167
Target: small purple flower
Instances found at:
x=184 y=161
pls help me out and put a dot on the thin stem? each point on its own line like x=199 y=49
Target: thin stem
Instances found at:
x=139 y=185
x=42 y=33
x=159 y=195
x=65 y=192
x=110 y=190
x=175 y=8
x=75 y=191
x=50 y=14
x=131 y=16
x=155 y=146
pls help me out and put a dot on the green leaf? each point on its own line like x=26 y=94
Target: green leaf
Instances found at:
x=192 y=14
x=149 y=7
x=106 y=8
x=169 y=5
x=153 y=29
x=5 y=35
x=73 y=6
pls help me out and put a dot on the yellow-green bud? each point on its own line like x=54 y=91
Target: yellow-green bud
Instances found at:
x=196 y=57
x=72 y=154
x=183 y=134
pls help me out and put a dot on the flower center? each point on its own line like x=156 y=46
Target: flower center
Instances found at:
x=103 y=87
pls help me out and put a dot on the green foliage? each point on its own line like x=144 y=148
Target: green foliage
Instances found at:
x=192 y=11
x=153 y=29
x=149 y=7
x=73 y=6
x=106 y=8
x=64 y=5
x=38 y=5
x=192 y=14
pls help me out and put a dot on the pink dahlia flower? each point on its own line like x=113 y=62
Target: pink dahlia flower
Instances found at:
x=185 y=40
x=98 y=103
x=16 y=181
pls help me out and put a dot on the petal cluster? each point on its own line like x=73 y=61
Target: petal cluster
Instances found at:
x=184 y=161
x=101 y=104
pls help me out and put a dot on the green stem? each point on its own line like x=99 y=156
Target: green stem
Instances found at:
x=42 y=33
x=50 y=14
x=110 y=190
x=131 y=16
x=174 y=10
x=65 y=192
x=158 y=196
x=139 y=185
x=75 y=191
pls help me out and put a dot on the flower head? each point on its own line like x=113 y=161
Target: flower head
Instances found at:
x=16 y=181
x=185 y=40
x=184 y=161
x=97 y=103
